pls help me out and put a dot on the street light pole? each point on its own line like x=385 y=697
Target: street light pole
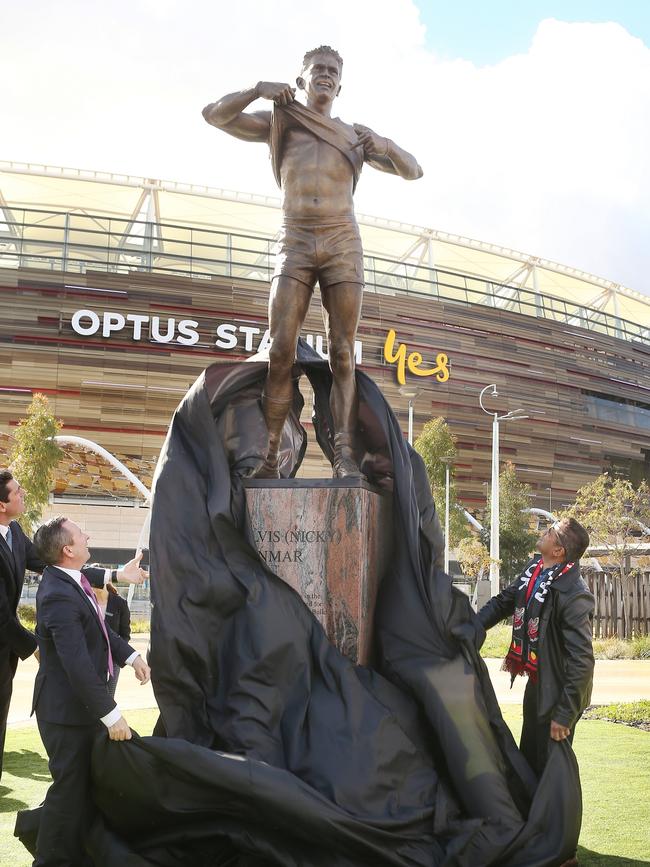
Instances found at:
x=411 y=394
x=494 y=509
x=447 y=462
x=513 y=415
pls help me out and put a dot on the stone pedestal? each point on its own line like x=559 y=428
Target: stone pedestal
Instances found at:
x=330 y=540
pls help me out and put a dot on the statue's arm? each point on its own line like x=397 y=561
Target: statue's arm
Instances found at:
x=228 y=112
x=383 y=154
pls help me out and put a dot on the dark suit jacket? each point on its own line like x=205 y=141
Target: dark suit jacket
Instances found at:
x=566 y=657
x=71 y=686
x=118 y=616
x=14 y=638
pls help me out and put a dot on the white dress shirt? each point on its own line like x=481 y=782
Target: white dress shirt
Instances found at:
x=112 y=717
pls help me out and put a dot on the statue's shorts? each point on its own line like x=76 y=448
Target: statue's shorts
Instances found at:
x=328 y=252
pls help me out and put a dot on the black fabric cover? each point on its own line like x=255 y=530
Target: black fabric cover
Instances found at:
x=279 y=751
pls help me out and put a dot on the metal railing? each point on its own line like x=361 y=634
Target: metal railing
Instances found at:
x=87 y=243
x=140 y=604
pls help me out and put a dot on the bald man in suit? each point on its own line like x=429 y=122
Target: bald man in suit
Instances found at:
x=73 y=705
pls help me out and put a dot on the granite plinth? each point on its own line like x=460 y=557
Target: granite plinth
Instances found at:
x=330 y=540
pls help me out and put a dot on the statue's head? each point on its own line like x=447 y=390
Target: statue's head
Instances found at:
x=321 y=74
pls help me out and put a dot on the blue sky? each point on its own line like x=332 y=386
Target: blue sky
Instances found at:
x=487 y=31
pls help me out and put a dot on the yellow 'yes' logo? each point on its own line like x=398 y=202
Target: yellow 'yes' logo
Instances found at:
x=413 y=361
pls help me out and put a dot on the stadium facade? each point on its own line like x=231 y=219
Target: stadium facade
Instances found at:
x=117 y=291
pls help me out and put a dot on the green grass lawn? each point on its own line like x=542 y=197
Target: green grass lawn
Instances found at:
x=614 y=765
x=615 y=773
x=25 y=779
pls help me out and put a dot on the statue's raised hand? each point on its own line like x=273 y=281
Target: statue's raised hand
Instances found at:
x=373 y=144
x=281 y=94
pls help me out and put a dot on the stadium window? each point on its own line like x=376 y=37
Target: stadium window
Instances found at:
x=622 y=411
x=635 y=470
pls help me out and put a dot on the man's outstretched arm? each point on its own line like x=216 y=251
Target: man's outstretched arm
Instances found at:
x=383 y=154
x=228 y=112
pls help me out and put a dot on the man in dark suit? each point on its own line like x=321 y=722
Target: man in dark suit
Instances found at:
x=78 y=653
x=16 y=554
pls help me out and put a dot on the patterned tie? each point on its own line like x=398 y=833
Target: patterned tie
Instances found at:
x=9 y=540
x=89 y=592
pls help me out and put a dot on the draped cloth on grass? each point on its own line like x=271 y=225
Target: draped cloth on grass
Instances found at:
x=279 y=751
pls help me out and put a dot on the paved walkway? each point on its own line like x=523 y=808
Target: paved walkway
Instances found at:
x=615 y=680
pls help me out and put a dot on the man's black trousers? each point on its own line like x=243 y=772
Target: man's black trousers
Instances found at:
x=536 y=732
x=8 y=663
x=67 y=810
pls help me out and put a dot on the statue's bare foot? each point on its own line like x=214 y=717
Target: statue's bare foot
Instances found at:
x=344 y=465
x=270 y=469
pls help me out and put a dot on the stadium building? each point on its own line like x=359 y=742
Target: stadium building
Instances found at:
x=117 y=291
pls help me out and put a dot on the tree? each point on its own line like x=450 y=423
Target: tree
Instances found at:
x=34 y=457
x=616 y=515
x=473 y=556
x=516 y=541
x=435 y=444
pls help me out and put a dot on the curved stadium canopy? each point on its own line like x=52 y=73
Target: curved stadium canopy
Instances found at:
x=167 y=220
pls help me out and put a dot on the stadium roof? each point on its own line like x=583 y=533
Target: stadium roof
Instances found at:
x=144 y=207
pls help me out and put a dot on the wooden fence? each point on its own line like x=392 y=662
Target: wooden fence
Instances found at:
x=622 y=606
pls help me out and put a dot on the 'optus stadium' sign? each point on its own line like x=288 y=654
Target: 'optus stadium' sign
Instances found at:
x=248 y=339
x=230 y=336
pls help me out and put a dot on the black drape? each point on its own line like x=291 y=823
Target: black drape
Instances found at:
x=278 y=749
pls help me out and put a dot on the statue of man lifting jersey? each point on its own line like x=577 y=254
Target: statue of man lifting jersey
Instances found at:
x=317 y=161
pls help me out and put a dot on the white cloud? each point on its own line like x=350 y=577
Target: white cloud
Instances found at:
x=545 y=151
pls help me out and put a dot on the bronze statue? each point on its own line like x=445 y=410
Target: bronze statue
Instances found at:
x=317 y=161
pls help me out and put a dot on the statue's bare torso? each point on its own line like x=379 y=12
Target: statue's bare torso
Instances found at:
x=317 y=179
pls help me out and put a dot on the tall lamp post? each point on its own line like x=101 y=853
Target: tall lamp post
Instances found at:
x=447 y=462
x=513 y=415
x=411 y=393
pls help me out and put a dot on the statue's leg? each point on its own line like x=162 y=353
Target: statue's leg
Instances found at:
x=288 y=305
x=342 y=310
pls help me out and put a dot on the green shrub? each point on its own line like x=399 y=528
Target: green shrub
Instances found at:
x=498 y=641
x=631 y=713
x=613 y=648
x=27 y=616
x=140 y=626
x=641 y=647
x=619 y=648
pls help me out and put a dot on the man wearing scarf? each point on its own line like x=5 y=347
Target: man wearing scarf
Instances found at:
x=552 y=611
